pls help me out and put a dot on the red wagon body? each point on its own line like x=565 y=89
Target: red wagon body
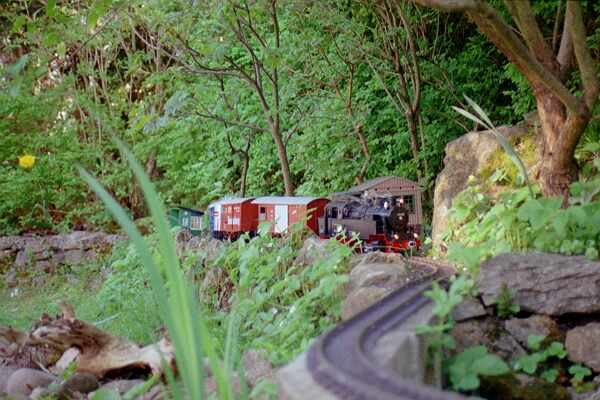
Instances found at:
x=283 y=211
x=232 y=217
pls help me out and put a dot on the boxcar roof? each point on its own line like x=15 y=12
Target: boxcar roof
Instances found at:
x=231 y=200
x=370 y=184
x=290 y=200
x=188 y=209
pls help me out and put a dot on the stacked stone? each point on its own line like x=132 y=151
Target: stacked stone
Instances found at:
x=34 y=254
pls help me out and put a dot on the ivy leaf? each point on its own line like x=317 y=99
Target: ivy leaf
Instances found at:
x=529 y=363
x=556 y=349
x=579 y=372
x=465 y=367
x=561 y=221
x=550 y=375
x=535 y=341
x=491 y=365
x=533 y=212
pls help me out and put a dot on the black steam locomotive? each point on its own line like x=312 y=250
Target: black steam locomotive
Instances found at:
x=381 y=223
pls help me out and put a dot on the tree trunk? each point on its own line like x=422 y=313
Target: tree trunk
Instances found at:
x=283 y=159
x=414 y=143
x=560 y=133
x=245 y=164
x=365 y=150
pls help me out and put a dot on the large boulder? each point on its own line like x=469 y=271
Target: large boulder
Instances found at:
x=465 y=156
x=376 y=276
x=542 y=283
x=583 y=345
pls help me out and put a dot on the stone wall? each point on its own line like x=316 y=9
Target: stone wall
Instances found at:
x=23 y=254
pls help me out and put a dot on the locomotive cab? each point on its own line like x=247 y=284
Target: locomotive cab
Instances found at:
x=381 y=223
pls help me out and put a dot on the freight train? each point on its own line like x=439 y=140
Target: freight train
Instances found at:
x=384 y=213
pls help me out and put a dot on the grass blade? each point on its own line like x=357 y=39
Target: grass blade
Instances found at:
x=483 y=119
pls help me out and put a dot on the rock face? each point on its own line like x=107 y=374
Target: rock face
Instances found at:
x=465 y=156
x=467 y=309
x=374 y=277
x=257 y=366
x=313 y=250
x=489 y=333
x=521 y=387
x=5 y=373
x=78 y=383
x=583 y=345
x=25 y=253
x=206 y=247
x=542 y=325
x=541 y=283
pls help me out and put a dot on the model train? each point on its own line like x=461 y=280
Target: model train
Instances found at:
x=384 y=213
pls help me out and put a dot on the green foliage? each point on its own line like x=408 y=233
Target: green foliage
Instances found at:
x=466 y=367
x=531 y=362
x=444 y=302
x=512 y=221
x=282 y=304
x=105 y=78
x=133 y=393
x=188 y=331
x=579 y=372
x=504 y=303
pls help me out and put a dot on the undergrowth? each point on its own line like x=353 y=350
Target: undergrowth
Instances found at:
x=483 y=225
x=283 y=303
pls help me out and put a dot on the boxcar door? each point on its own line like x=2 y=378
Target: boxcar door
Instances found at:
x=217 y=218
x=281 y=218
x=211 y=217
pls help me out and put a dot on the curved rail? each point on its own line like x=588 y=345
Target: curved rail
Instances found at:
x=340 y=360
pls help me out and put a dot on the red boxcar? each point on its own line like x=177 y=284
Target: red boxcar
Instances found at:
x=229 y=218
x=283 y=211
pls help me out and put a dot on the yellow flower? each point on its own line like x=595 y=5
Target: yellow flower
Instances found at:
x=26 y=161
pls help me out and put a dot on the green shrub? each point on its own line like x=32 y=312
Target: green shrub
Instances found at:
x=283 y=304
x=513 y=221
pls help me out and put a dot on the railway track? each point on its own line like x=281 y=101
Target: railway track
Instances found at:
x=342 y=360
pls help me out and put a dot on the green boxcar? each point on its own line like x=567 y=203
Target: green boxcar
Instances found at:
x=187 y=218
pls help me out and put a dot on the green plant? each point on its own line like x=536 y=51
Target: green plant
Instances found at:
x=444 y=301
x=282 y=303
x=132 y=394
x=578 y=374
x=188 y=331
x=465 y=368
x=531 y=362
x=482 y=226
x=504 y=303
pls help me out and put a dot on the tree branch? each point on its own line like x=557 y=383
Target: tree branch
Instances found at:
x=530 y=30
x=585 y=62
x=501 y=34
